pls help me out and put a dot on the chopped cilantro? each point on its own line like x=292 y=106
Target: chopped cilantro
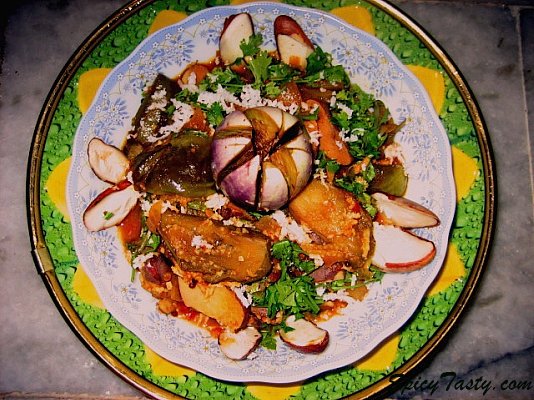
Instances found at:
x=268 y=333
x=289 y=254
x=326 y=163
x=292 y=295
x=348 y=283
x=318 y=61
x=368 y=115
x=108 y=215
x=281 y=73
x=334 y=74
x=251 y=46
x=215 y=114
x=259 y=66
x=357 y=185
x=147 y=243
x=225 y=77
x=197 y=205
x=272 y=89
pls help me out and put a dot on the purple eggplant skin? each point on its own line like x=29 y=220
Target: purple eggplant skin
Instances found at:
x=157 y=269
x=182 y=166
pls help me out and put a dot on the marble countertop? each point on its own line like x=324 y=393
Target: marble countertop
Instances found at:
x=491 y=42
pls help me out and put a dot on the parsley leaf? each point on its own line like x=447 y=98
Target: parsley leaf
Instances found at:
x=289 y=254
x=292 y=295
x=318 y=61
x=326 y=163
x=251 y=46
x=259 y=66
x=215 y=114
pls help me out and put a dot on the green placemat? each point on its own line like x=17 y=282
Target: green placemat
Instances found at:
x=466 y=233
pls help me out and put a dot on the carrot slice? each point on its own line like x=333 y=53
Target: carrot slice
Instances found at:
x=329 y=140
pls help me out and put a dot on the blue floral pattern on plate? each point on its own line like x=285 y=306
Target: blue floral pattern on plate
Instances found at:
x=363 y=325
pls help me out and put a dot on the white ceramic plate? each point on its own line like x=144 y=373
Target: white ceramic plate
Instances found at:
x=363 y=325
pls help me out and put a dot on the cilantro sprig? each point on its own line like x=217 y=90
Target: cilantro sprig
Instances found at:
x=148 y=242
x=251 y=46
x=367 y=117
x=357 y=184
x=348 y=281
x=291 y=294
x=259 y=66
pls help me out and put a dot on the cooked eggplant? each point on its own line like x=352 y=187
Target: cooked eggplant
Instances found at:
x=152 y=114
x=218 y=252
x=389 y=179
x=182 y=166
x=344 y=227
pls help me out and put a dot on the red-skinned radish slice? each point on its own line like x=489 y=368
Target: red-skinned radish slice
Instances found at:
x=238 y=345
x=237 y=28
x=293 y=45
x=305 y=337
x=110 y=207
x=403 y=212
x=107 y=162
x=397 y=250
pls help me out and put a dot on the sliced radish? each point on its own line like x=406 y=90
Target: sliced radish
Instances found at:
x=397 y=250
x=110 y=207
x=237 y=28
x=107 y=162
x=404 y=212
x=293 y=52
x=238 y=345
x=305 y=337
x=293 y=45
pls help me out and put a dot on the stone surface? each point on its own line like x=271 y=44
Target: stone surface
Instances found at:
x=493 y=47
